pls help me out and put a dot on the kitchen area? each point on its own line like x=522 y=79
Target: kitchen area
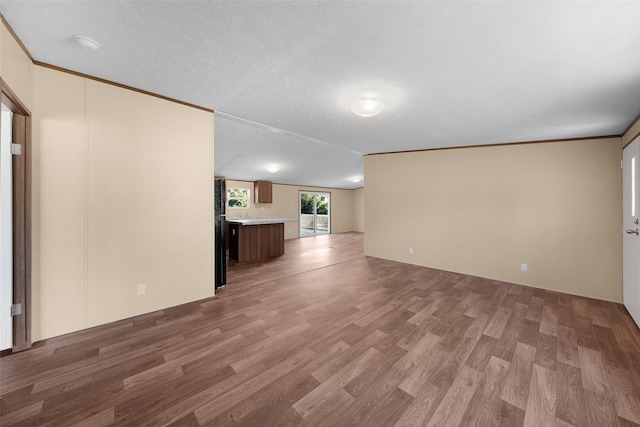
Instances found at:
x=253 y=219
x=241 y=238
x=253 y=238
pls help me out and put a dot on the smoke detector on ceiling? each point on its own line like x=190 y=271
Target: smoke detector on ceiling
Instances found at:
x=86 y=42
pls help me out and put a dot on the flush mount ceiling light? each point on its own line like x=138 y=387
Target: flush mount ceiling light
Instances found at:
x=367 y=107
x=273 y=168
x=84 y=41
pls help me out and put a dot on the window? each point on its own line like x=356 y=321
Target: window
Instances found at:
x=238 y=198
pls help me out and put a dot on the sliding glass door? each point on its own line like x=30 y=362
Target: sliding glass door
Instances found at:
x=315 y=213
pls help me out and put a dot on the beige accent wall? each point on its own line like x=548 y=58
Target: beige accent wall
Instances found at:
x=15 y=66
x=463 y=210
x=286 y=204
x=395 y=207
x=485 y=211
x=631 y=134
x=59 y=285
x=123 y=195
x=357 y=205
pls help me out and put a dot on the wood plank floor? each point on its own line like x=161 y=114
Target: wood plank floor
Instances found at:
x=326 y=336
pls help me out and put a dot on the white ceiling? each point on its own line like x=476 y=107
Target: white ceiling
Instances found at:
x=282 y=75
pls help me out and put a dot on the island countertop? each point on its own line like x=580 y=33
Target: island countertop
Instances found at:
x=259 y=221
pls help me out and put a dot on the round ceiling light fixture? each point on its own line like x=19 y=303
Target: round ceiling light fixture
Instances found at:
x=273 y=168
x=84 y=41
x=367 y=107
x=355 y=179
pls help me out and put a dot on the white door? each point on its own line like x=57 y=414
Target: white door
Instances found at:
x=6 y=234
x=630 y=229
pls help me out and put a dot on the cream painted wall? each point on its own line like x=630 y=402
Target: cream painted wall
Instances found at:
x=484 y=211
x=631 y=134
x=562 y=215
x=59 y=276
x=149 y=203
x=286 y=202
x=395 y=206
x=15 y=67
x=123 y=195
x=357 y=205
x=463 y=211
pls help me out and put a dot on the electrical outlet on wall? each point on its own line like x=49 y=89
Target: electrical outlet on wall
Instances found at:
x=141 y=289
x=410 y=251
x=523 y=267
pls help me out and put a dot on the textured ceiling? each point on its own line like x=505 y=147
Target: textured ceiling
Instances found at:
x=283 y=74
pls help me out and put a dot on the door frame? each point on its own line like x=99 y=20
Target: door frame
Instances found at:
x=22 y=182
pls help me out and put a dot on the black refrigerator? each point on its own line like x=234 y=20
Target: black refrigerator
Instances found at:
x=220 y=249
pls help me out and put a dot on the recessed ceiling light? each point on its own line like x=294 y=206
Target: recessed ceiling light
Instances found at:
x=356 y=178
x=367 y=107
x=273 y=168
x=84 y=41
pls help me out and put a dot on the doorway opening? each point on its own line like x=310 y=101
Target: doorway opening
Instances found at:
x=315 y=213
x=16 y=150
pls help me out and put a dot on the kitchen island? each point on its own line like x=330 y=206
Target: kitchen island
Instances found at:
x=255 y=239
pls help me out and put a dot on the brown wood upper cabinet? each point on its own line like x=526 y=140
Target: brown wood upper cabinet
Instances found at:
x=262 y=191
